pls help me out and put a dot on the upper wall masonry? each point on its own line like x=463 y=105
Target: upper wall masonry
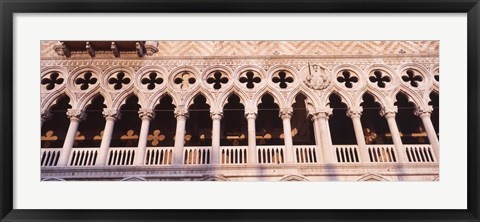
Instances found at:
x=152 y=49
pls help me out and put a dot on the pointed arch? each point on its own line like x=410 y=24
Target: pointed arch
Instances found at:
x=214 y=178
x=411 y=94
x=377 y=96
x=299 y=90
x=121 y=99
x=277 y=99
x=193 y=94
x=155 y=99
x=345 y=97
x=293 y=177
x=372 y=177
x=223 y=100
x=52 y=99
x=87 y=98
x=134 y=178
x=53 y=179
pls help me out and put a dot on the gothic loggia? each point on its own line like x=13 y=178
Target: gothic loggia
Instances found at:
x=240 y=110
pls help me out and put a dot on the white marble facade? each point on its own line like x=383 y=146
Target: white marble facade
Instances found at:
x=248 y=69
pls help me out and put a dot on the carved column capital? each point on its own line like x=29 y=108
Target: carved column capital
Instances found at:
x=111 y=114
x=45 y=115
x=251 y=113
x=389 y=112
x=423 y=111
x=146 y=114
x=76 y=115
x=286 y=113
x=181 y=113
x=216 y=115
x=323 y=113
x=355 y=112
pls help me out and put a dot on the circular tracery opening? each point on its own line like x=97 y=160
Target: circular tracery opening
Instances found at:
x=348 y=78
x=282 y=78
x=250 y=79
x=216 y=79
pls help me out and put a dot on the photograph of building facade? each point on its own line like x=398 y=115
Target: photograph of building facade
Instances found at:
x=240 y=110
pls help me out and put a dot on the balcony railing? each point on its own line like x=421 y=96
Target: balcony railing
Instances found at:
x=121 y=156
x=83 y=156
x=197 y=155
x=382 y=153
x=420 y=153
x=305 y=154
x=49 y=156
x=346 y=153
x=302 y=154
x=233 y=155
x=156 y=156
x=271 y=154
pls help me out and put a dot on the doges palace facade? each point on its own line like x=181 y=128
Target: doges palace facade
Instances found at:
x=240 y=110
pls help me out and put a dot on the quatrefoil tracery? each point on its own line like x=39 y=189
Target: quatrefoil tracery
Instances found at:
x=347 y=78
x=185 y=80
x=52 y=80
x=217 y=80
x=379 y=78
x=86 y=81
x=119 y=81
x=152 y=80
x=250 y=79
x=412 y=77
x=282 y=79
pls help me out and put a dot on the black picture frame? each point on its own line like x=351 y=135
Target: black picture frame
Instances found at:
x=9 y=7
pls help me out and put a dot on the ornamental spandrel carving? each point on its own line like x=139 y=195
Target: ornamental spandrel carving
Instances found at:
x=316 y=77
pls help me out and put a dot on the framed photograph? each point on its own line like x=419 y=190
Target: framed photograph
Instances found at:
x=251 y=111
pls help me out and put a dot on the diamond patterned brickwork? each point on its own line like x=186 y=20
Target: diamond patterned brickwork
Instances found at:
x=281 y=48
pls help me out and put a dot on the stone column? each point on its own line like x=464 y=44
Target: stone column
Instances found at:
x=111 y=115
x=357 y=126
x=216 y=118
x=286 y=115
x=389 y=114
x=320 y=123
x=182 y=115
x=75 y=116
x=252 y=146
x=146 y=115
x=45 y=115
x=425 y=114
x=318 y=140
